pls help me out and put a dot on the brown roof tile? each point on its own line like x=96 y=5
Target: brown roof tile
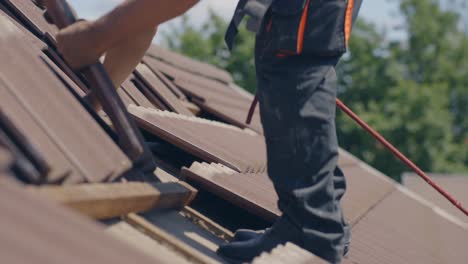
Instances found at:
x=253 y=192
x=159 y=88
x=134 y=93
x=402 y=229
x=226 y=104
x=34 y=230
x=27 y=12
x=200 y=68
x=5 y=12
x=455 y=185
x=142 y=242
x=54 y=109
x=365 y=189
x=209 y=140
x=214 y=97
x=6 y=159
x=60 y=166
x=126 y=99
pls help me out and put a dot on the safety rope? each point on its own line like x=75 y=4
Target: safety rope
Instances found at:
x=388 y=145
x=400 y=155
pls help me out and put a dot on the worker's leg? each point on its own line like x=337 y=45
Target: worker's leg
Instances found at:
x=298 y=111
x=84 y=42
x=121 y=60
x=339 y=184
x=297 y=102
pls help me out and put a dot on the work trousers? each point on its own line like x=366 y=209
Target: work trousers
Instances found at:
x=297 y=105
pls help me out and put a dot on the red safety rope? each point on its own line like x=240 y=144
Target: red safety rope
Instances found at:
x=389 y=146
x=400 y=155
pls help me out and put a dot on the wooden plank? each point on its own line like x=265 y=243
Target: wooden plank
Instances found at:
x=207 y=224
x=161 y=235
x=180 y=227
x=106 y=201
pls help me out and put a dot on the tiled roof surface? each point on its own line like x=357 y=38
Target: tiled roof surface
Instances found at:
x=161 y=90
x=288 y=253
x=187 y=64
x=214 y=97
x=49 y=107
x=41 y=96
x=31 y=15
x=252 y=191
x=34 y=230
x=455 y=184
x=133 y=94
x=144 y=243
x=401 y=229
x=212 y=141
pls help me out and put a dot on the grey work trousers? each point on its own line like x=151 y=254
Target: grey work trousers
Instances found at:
x=297 y=105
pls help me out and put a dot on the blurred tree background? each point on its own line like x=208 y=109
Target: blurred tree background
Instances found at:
x=414 y=91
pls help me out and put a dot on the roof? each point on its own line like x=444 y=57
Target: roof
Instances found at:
x=457 y=185
x=35 y=230
x=49 y=136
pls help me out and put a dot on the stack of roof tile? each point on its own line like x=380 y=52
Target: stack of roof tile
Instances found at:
x=212 y=141
x=41 y=107
x=212 y=95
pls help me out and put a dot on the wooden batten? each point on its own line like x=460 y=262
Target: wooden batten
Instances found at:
x=106 y=201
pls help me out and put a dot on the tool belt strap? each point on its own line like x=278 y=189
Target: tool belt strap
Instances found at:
x=255 y=9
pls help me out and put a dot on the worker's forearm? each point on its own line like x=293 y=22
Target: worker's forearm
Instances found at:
x=137 y=15
x=122 y=59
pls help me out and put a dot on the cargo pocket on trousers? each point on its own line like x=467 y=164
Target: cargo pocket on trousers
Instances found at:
x=316 y=27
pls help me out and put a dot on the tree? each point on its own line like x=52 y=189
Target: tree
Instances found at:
x=207 y=44
x=414 y=91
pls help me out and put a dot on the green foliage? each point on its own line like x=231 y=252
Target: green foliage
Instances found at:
x=207 y=44
x=414 y=92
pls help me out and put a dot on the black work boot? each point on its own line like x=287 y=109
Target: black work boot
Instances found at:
x=247 y=234
x=283 y=231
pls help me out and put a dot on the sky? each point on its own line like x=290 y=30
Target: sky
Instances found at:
x=381 y=12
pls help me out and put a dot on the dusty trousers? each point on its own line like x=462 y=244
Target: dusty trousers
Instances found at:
x=297 y=105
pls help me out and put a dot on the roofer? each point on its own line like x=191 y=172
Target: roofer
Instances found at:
x=298 y=45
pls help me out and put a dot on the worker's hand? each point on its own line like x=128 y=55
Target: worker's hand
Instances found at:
x=79 y=44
